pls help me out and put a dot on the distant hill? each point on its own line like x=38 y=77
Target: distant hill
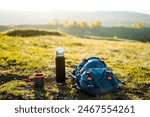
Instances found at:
x=119 y=32
x=108 y=18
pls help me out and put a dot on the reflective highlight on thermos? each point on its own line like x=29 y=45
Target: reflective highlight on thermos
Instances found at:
x=60 y=66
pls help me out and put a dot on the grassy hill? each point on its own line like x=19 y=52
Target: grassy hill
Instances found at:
x=22 y=57
x=120 y=32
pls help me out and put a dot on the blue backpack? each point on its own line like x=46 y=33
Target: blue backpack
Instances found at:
x=94 y=77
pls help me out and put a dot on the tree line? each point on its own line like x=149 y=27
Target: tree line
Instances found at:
x=93 y=24
x=76 y=24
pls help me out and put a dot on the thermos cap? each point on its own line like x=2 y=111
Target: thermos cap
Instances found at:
x=59 y=52
x=39 y=76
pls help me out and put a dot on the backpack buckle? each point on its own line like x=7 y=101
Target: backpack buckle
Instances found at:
x=88 y=74
x=109 y=78
x=102 y=58
x=89 y=78
x=109 y=71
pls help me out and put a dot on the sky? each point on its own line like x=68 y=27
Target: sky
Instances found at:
x=77 y=5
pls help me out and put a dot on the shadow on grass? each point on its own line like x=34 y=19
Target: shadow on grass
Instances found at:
x=141 y=90
x=39 y=93
x=6 y=78
x=9 y=77
x=63 y=92
x=119 y=95
x=66 y=92
x=6 y=96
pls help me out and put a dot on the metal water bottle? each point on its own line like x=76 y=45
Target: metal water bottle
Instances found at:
x=60 y=66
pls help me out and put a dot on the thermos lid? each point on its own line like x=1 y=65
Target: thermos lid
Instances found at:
x=59 y=52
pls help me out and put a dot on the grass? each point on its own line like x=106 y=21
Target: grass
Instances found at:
x=25 y=56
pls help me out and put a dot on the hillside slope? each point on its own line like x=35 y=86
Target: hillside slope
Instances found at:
x=107 y=17
x=22 y=57
x=119 y=32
